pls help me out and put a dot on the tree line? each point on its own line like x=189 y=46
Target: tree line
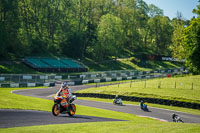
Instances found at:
x=97 y=29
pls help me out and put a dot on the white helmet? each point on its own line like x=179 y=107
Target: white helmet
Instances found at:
x=64 y=85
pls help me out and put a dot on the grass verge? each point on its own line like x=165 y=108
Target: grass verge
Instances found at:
x=185 y=110
x=134 y=123
x=185 y=89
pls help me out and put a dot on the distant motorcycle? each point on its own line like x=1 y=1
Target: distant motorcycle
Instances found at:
x=62 y=106
x=143 y=106
x=177 y=119
x=117 y=101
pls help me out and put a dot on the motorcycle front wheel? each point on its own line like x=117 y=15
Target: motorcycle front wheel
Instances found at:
x=72 y=110
x=55 y=110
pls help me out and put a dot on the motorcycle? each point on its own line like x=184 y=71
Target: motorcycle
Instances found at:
x=117 y=101
x=144 y=107
x=177 y=119
x=62 y=106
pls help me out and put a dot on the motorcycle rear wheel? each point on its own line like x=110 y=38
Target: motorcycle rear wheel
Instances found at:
x=72 y=110
x=55 y=110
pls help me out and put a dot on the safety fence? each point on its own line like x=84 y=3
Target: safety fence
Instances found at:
x=108 y=76
x=86 y=77
x=187 y=83
x=28 y=80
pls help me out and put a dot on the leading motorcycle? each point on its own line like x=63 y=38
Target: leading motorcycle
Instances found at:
x=61 y=105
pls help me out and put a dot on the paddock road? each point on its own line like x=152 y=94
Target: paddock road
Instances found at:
x=155 y=113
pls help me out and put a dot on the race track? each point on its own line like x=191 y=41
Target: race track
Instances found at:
x=48 y=118
x=19 y=118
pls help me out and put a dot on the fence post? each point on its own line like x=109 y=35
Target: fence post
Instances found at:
x=131 y=84
x=192 y=86
x=159 y=84
x=175 y=85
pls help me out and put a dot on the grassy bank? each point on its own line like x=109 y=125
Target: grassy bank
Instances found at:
x=185 y=110
x=180 y=88
x=18 y=67
x=140 y=125
x=134 y=123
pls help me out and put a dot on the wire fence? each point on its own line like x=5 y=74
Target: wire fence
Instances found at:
x=160 y=83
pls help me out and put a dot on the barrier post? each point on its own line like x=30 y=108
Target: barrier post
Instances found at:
x=159 y=84
x=192 y=86
x=175 y=85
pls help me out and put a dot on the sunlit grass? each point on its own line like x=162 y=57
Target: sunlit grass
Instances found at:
x=181 y=88
x=133 y=123
x=186 y=110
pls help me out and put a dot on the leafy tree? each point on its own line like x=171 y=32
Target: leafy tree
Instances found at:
x=191 y=45
x=80 y=28
x=9 y=26
x=177 y=47
x=110 y=36
x=186 y=41
x=154 y=11
x=160 y=31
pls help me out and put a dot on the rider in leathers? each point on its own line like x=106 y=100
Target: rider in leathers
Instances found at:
x=65 y=90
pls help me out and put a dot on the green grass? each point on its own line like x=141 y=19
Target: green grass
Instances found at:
x=16 y=67
x=142 y=126
x=127 y=63
x=14 y=101
x=186 y=110
x=181 y=88
x=121 y=64
x=134 y=123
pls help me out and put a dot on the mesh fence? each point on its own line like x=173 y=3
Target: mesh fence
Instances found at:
x=187 y=83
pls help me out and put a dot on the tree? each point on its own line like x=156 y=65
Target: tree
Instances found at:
x=154 y=11
x=160 y=31
x=110 y=37
x=9 y=28
x=177 y=47
x=186 y=42
x=192 y=45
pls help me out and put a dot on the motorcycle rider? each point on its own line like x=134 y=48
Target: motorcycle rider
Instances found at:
x=174 y=116
x=116 y=97
x=117 y=100
x=177 y=118
x=141 y=104
x=65 y=90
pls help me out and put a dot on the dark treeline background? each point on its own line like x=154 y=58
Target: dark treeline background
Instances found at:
x=97 y=29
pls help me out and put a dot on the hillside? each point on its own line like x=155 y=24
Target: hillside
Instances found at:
x=17 y=67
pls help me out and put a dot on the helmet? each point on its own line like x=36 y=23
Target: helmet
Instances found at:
x=64 y=85
x=173 y=114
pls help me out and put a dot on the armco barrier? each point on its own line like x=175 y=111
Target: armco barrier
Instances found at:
x=7 y=85
x=138 y=99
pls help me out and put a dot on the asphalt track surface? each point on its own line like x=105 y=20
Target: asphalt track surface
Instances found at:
x=18 y=118
x=15 y=118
